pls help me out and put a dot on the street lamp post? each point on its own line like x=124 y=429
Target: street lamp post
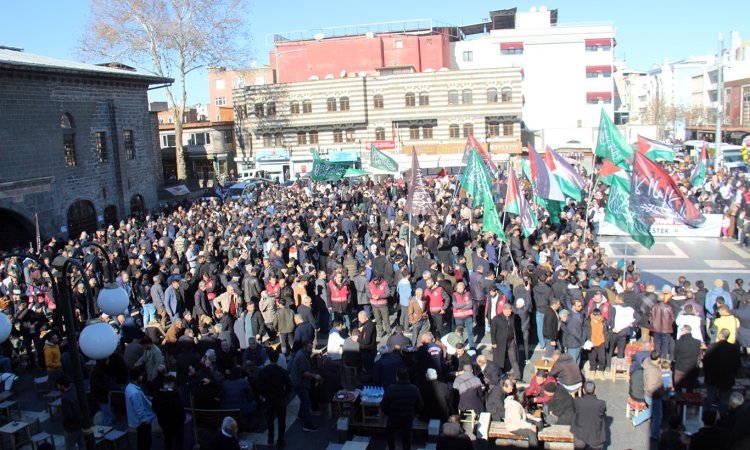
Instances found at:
x=98 y=340
x=719 y=103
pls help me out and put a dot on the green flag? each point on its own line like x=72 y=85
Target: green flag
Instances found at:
x=619 y=213
x=611 y=144
x=323 y=170
x=316 y=155
x=491 y=219
x=382 y=161
x=475 y=179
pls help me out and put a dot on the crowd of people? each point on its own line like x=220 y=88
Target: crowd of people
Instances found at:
x=300 y=291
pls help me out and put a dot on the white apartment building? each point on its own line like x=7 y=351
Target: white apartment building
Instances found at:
x=633 y=90
x=397 y=109
x=567 y=70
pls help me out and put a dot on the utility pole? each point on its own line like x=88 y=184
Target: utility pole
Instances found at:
x=719 y=103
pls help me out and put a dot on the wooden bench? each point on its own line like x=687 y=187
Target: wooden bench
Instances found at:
x=558 y=434
x=498 y=430
x=212 y=418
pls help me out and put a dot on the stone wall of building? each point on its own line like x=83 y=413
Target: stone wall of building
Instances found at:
x=34 y=177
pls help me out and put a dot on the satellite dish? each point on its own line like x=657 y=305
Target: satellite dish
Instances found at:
x=429 y=70
x=533 y=9
x=314 y=78
x=329 y=76
x=343 y=73
x=443 y=69
x=254 y=64
x=369 y=35
x=319 y=36
x=542 y=8
x=363 y=74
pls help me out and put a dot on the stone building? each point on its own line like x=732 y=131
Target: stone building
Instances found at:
x=395 y=109
x=76 y=146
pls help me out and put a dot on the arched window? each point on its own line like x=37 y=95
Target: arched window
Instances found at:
x=350 y=135
x=377 y=101
x=507 y=94
x=453 y=97
x=467 y=97
x=414 y=132
x=410 y=99
x=454 y=131
x=424 y=98
x=69 y=139
x=344 y=103
x=267 y=140
x=81 y=217
x=271 y=109
x=491 y=95
x=294 y=107
x=468 y=130
x=379 y=134
x=306 y=106
x=278 y=140
x=493 y=129
x=331 y=104
x=137 y=206
x=110 y=215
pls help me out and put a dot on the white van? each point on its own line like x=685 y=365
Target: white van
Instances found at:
x=731 y=157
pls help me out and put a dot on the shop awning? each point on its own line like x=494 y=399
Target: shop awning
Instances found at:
x=596 y=69
x=598 y=95
x=511 y=46
x=599 y=42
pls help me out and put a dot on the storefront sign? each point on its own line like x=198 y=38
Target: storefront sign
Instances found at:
x=666 y=227
x=280 y=154
x=343 y=156
x=382 y=145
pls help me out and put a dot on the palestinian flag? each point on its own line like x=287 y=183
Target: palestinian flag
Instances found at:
x=610 y=172
x=654 y=194
x=698 y=177
x=655 y=150
x=545 y=184
x=515 y=203
x=569 y=179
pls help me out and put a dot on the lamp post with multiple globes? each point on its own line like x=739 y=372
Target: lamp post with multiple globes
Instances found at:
x=98 y=340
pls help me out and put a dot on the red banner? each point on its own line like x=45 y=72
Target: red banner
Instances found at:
x=382 y=145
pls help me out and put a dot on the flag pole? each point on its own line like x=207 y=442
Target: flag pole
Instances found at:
x=588 y=204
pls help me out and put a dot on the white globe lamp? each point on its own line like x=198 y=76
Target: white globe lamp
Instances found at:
x=98 y=340
x=5 y=327
x=113 y=300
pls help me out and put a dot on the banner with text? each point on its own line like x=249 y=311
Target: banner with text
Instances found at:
x=669 y=228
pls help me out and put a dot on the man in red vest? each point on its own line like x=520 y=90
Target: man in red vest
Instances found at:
x=463 y=313
x=338 y=289
x=438 y=303
x=379 y=301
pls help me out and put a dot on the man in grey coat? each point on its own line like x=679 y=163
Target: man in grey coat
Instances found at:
x=361 y=287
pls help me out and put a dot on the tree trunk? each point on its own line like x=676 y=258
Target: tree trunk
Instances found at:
x=178 y=147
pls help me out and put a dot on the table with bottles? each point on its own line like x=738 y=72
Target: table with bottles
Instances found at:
x=370 y=400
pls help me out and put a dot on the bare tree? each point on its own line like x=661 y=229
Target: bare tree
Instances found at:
x=169 y=38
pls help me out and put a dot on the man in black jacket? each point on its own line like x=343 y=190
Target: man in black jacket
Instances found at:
x=275 y=386
x=437 y=398
x=551 y=328
x=687 y=353
x=401 y=404
x=368 y=341
x=72 y=420
x=560 y=409
x=720 y=366
x=504 y=342
x=588 y=424
x=542 y=292
x=168 y=408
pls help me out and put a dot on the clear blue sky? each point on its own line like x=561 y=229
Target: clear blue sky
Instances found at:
x=647 y=31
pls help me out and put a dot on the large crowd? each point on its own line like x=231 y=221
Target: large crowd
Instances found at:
x=305 y=290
